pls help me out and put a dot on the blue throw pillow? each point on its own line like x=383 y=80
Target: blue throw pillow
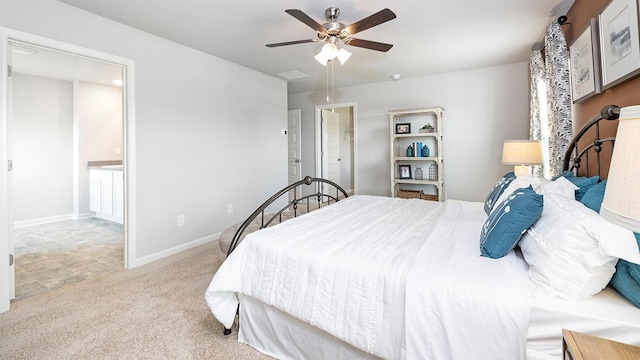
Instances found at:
x=626 y=280
x=593 y=197
x=583 y=182
x=508 y=221
x=497 y=190
x=565 y=173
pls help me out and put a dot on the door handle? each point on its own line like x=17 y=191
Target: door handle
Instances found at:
x=297 y=160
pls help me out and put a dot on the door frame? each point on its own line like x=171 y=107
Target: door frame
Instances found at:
x=129 y=146
x=318 y=130
x=298 y=134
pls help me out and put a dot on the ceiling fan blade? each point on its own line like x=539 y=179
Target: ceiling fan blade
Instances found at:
x=291 y=42
x=367 y=44
x=298 y=14
x=378 y=18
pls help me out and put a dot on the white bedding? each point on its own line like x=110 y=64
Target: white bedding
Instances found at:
x=461 y=305
x=343 y=269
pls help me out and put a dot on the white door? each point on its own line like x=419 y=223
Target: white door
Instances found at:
x=294 y=134
x=331 y=146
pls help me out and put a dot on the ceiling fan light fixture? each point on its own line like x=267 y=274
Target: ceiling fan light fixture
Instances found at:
x=329 y=52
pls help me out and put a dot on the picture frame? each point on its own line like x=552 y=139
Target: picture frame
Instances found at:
x=403 y=128
x=619 y=42
x=404 y=171
x=584 y=53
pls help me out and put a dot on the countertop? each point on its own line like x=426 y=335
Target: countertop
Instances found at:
x=113 y=165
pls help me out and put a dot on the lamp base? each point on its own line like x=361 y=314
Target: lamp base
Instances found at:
x=521 y=170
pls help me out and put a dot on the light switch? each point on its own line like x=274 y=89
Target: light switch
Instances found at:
x=118 y=151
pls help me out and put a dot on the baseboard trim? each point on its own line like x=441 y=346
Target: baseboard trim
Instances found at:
x=87 y=215
x=118 y=220
x=40 y=221
x=51 y=219
x=177 y=249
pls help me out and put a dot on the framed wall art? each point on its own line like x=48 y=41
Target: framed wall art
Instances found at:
x=619 y=42
x=404 y=128
x=405 y=171
x=585 y=63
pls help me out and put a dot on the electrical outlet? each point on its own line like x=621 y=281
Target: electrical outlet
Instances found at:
x=283 y=132
x=229 y=208
x=180 y=220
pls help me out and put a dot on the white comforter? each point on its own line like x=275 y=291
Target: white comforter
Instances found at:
x=364 y=270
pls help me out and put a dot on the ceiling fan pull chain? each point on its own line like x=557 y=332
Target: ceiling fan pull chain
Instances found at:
x=327 y=68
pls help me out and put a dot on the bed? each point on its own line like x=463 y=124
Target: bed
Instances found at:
x=377 y=277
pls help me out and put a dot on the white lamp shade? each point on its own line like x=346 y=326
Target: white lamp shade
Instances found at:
x=521 y=154
x=621 y=204
x=343 y=56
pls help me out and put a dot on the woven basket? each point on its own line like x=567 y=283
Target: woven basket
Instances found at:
x=416 y=194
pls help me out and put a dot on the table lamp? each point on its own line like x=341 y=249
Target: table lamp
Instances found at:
x=522 y=154
x=621 y=204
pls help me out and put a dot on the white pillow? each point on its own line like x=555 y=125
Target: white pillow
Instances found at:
x=561 y=186
x=563 y=249
x=523 y=181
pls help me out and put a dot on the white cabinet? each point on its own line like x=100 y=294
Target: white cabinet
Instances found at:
x=106 y=197
x=405 y=132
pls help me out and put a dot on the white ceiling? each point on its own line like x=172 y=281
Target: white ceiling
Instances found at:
x=429 y=36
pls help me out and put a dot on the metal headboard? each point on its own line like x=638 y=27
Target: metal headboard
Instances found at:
x=298 y=199
x=575 y=157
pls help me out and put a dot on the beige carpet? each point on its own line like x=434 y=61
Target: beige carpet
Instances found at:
x=156 y=311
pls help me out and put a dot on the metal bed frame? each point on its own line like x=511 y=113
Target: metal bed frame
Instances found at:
x=298 y=199
x=575 y=157
x=292 y=205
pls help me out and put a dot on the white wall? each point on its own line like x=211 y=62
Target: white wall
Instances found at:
x=207 y=130
x=100 y=131
x=483 y=108
x=43 y=133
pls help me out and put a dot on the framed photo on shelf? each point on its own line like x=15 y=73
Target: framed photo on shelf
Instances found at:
x=585 y=63
x=405 y=171
x=404 y=128
x=619 y=42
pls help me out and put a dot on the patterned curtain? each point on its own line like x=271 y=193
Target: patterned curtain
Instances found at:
x=538 y=120
x=558 y=96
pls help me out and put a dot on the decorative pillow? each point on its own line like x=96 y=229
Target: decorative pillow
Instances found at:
x=497 y=190
x=521 y=182
x=563 y=249
x=583 y=182
x=593 y=197
x=627 y=281
x=508 y=221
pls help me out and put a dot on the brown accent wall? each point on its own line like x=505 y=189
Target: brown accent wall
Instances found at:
x=625 y=94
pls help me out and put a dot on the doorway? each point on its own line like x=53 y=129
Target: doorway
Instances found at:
x=336 y=145
x=79 y=178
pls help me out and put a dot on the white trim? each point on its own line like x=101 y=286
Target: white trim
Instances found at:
x=177 y=249
x=5 y=275
x=129 y=158
x=40 y=221
x=318 y=161
x=86 y=215
x=110 y=218
x=76 y=151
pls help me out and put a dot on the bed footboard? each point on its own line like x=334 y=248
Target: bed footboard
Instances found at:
x=323 y=195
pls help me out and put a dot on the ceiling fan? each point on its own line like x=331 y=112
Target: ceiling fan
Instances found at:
x=332 y=32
